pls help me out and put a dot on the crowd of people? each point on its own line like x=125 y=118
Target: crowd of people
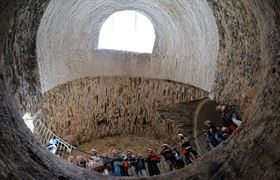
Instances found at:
x=230 y=120
x=130 y=164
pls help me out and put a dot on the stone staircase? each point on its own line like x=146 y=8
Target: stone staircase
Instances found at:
x=178 y=118
x=187 y=118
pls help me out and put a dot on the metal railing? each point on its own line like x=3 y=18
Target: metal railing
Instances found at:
x=44 y=135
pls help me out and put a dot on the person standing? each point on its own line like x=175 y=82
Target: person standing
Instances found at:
x=95 y=162
x=140 y=166
x=179 y=159
x=170 y=159
x=230 y=117
x=125 y=167
x=117 y=162
x=214 y=138
x=152 y=161
x=107 y=164
x=190 y=155
x=131 y=163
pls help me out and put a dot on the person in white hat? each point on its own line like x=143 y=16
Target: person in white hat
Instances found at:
x=95 y=161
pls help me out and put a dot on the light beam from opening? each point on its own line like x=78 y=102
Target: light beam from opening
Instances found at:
x=127 y=31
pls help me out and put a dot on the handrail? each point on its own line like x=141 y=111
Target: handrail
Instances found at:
x=43 y=134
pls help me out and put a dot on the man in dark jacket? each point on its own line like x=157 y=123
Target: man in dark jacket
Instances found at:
x=214 y=137
x=140 y=166
x=107 y=164
x=230 y=117
x=170 y=159
x=188 y=152
x=131 y=163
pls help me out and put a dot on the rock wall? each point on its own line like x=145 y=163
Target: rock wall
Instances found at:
x=18 y=63
x=239 y=64
x=22 y=156
x=99 y=107
x=178 y=118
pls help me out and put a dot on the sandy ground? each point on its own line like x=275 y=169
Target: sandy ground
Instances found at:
x=138 y=145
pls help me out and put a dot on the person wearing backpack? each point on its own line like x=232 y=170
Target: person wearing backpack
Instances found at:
x=190 y=155
x=170 y=159
x=152 y=160
x=230 y=117
x=214 y=137
x=52 y=145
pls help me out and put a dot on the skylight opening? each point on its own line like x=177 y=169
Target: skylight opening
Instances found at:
x=127 y=31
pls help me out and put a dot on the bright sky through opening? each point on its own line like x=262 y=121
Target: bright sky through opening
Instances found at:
x=127 y=31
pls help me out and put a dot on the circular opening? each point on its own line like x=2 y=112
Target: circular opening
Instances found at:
x=127 y=31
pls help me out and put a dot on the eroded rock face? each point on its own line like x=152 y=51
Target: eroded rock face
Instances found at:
x=239 y=64
x=18 y=60
x=100 y=107
x=246 y=29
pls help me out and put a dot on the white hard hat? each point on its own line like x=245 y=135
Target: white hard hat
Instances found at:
x=180 y=135
x=164 y=145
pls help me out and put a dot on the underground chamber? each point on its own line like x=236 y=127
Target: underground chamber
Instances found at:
x=227 y=49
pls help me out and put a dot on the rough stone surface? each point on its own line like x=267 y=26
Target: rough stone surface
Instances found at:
x=178 y=118
x=22 y=156
x=248 y=73
x=239 y=65
x=100 y=107
x=186 y=46
x=188 y=119
x=18 y=61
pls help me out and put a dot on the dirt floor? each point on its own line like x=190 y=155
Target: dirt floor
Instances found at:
x=138 y=145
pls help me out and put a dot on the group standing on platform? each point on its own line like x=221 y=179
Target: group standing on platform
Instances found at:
x=130 y=164
x=230 y=120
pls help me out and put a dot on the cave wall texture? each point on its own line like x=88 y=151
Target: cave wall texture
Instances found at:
x=247 y=73
x=18 y=60
x=104 y=106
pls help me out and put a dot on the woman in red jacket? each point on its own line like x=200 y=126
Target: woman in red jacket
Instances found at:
x=152 y=161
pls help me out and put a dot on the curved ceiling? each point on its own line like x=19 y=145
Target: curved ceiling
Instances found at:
x=186 y=47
